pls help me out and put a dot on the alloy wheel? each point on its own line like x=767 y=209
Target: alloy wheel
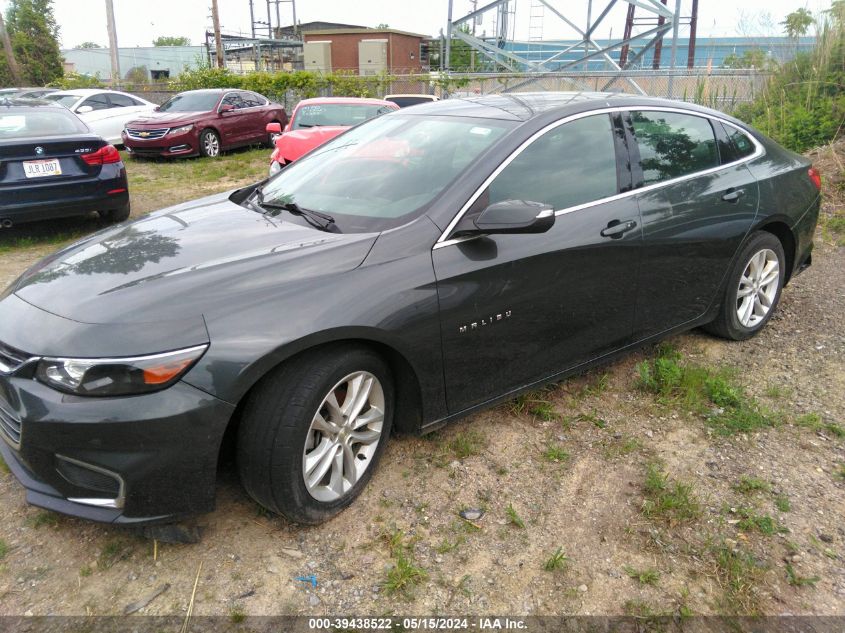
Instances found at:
x=758 y=288
x=343 y=437
x=211 y=144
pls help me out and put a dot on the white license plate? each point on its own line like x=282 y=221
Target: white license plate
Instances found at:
x=39 y=168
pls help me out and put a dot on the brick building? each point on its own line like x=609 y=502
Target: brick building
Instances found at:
x=365 y=51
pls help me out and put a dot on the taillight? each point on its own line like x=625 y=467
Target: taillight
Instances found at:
x=103 y=156
x=816 y=177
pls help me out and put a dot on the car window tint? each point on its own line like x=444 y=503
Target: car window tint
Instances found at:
x=97 y=102
x=36 y=123
x=233 y=100
x=673 y=145
x=743 y=146
x=251 y=100
x=122 y=101
x=570 y=165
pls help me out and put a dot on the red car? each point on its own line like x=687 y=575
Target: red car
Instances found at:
x=203 y=122
x=315 y=121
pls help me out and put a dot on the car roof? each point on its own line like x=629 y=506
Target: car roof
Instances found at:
x=340 y=100
x=523 y=106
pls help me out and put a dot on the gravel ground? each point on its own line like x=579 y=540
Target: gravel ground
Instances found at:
x=566 y=477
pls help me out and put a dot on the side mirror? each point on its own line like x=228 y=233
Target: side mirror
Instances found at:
x=156 y=109
x=515 y=216
x=226 y=107
x=84 y=109
x=273 y=128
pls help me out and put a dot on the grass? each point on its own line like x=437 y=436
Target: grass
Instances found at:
x=44 y=518
x=799 y=581
x=514 y=518
x=814 y=422
x=643 y=576
x=555 y=453
x=404 y=576
x=712 y=392
x=764 y=524
x=738 y=573
x=4 y=549
x=545 y=411
x=667 y=500
x=4 y=467
x=113 y=552
x=621 y=447
x=782 y=503
x=237 y=614
x=467 y=443
x=749 y=485
x=556 y=561
x=85 y=571
x=447 y=546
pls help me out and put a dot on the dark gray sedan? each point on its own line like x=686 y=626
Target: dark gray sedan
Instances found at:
x=415 y=269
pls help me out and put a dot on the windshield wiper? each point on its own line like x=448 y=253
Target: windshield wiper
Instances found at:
x=317 y=219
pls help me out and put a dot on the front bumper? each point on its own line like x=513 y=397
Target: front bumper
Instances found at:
x=160 y=449
x=171 y=145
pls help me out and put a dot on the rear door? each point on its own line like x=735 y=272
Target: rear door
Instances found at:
x=698 y=203
x=234 y=124
x=519 y=308
x=257 y=117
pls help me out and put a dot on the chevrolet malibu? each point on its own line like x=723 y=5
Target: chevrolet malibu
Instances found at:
x=419 y=267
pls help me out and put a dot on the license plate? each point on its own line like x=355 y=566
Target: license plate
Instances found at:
x=39 y=168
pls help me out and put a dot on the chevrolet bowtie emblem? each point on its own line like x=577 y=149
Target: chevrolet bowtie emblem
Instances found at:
x=144 y=134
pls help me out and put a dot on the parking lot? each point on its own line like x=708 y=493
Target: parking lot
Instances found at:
x=595 y=495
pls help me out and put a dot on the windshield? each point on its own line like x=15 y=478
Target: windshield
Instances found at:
x=346 y=114
x=191 y=102
x=382 y=173
x=65 y=100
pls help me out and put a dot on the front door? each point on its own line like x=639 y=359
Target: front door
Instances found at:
x=515 y=309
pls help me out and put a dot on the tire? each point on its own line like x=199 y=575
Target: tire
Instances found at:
x=740 y=317
x=276 y=432
x=116 y=215
x=209 y=143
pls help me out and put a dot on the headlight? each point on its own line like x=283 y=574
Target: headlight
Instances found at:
x=182 y=130
x=275 y=167
x=117 y=376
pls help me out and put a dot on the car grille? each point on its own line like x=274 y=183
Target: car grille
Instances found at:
x=10 y=426
x=147 y=135
x=11 y=359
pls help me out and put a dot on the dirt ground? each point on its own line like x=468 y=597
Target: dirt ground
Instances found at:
x=560 y=478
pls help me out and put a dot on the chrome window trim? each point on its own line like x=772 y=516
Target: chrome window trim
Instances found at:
x=759 y=150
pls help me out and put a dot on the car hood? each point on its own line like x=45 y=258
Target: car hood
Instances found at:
x=154 y=119
x=292 y=145
x=194 y=258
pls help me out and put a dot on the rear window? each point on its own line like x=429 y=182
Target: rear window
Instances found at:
x=404 y=102
x=65 y=100
x=38 y=123
x=343 y=114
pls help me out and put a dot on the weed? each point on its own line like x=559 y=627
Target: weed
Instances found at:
x=467 y=443
x=671 y=501
x=748 y=485
x=42 y=519
x=85 y=571
x=621 y=447
x=237 y=614
x=447 y=546
x=782 y=503
x=556 y=561
x=840 y=471
x=545 y=411
x=514 y=518
x=596 y=386
x=4 y=467
x=4 y=549
x=776 y=392
x=555 y=453
x=114 y=551
x=738 y=572
x=799 y=581
x=764 y=524
x=643 y=576
x=395 y=541
x=835 y=430
x=403 y=576
x=812 y=421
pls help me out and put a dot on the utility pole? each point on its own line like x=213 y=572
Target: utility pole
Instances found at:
x=676 y=27
x=10 y=53
x=218 y=43
x=113 y=51
x=447 y=60
x=252 y=18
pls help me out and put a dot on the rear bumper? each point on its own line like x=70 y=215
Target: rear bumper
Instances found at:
x=59 y=200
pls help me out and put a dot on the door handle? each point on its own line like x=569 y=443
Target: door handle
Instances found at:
x=617 y=228
x=732 y=195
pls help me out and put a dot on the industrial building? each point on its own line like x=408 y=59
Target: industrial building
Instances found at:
x=365 y=51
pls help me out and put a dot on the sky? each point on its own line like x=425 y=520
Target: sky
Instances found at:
x=140 y=21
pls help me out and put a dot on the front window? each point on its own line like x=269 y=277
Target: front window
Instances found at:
x=191 y=102
x=344 y=114
x=384 y=172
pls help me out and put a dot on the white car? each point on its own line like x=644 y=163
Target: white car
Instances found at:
x=105 y=111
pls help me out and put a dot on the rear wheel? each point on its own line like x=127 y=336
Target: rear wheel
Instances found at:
x=209 y=143
x=313 y=431
x=116 y=215
x=753 y=290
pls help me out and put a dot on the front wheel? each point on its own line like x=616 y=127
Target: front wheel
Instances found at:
x=209 y=143
x=753 y=289
x=313 y=431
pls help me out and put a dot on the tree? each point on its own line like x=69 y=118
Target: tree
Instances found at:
x=171 y=40
x=751 y=58
x=34 y=34
x=89 y=45
x=798 y=23
x=837 y=12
